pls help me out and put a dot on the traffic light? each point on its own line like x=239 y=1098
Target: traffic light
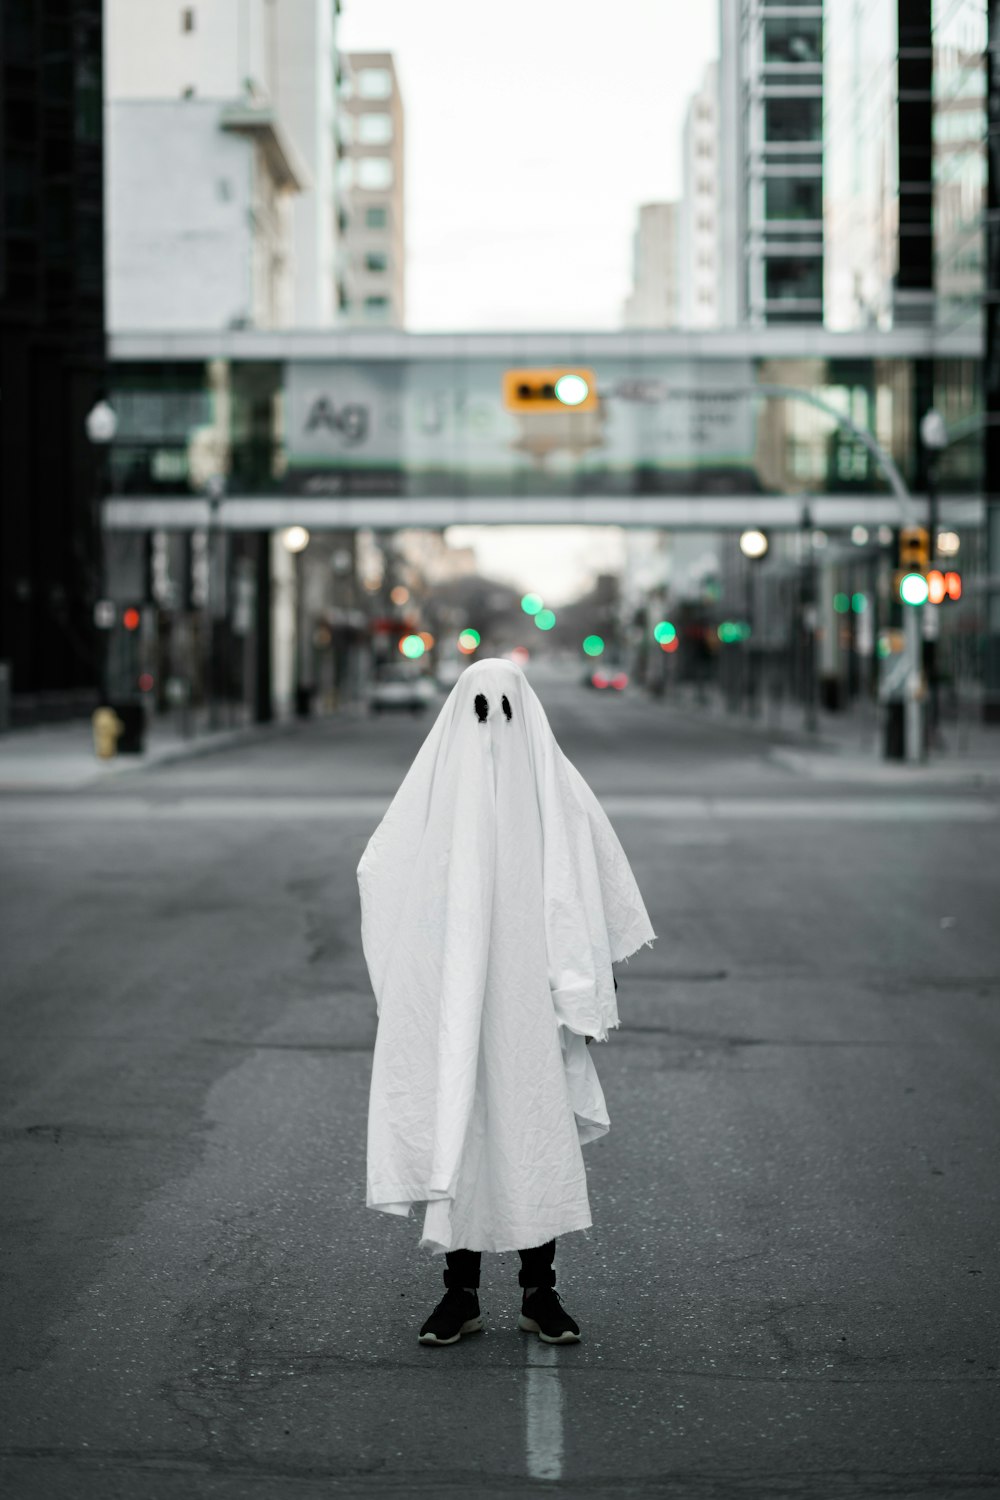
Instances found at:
x=914 y=549
x=559 y=388
x=942 y=586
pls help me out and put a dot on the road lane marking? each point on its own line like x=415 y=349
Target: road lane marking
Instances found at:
x=543 y=1412
x=370 y=809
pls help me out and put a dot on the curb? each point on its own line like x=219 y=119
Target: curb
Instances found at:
x=199 y=745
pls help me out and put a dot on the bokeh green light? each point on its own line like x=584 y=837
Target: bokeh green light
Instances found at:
x=545 y=619
x=593 y=645
x=412 y=646
x=913 y=589
x=664 y=631
x=532 y=603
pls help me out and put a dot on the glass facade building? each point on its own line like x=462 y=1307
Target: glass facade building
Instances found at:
x=773 y=129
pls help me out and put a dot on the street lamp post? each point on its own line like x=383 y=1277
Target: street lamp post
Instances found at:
x=934 y=436
x=101 y=426
x=295 y=539
x=754 y=545
x=214 y=490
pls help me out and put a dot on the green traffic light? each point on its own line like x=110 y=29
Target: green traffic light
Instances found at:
x=593 y=645
x=841 y=603
x=571 y=390
x=913 y=589
x=531 y=603
x=412 y=646
x=545 y=619
x=664 y=632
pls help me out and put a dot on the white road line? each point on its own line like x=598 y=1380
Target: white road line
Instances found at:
x=543 y=1412
x=689 y=811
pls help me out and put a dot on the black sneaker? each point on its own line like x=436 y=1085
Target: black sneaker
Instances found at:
x=455 y=1314
x=544 y=1314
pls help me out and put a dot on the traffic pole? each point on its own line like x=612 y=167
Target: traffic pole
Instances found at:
x=913 y=711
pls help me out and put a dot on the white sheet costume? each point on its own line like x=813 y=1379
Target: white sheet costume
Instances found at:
x=494 y=898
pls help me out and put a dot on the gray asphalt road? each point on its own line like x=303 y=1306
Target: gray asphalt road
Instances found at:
x=791 y=1285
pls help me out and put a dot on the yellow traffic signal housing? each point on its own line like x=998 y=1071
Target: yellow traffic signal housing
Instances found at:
x=914 y=549
x=535 y=390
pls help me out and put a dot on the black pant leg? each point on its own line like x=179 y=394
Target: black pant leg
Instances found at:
x=536 y=1265
x=463 y=1268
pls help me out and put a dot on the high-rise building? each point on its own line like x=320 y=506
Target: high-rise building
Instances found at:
x=698 y=217
x=371 y=279
x=771 y=161
x=878 y=180
x=52 y=351
x=221 y=164
x=652 y=302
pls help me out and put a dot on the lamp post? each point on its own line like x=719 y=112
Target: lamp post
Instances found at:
x=934 y=436
x=807 y=603
x=101 y=426
x=215 y=488
x=295 y=539
x=753 y=545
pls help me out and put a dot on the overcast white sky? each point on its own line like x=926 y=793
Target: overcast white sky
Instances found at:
x=534 y=129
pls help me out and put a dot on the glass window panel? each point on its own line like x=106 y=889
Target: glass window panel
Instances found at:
x=374 y=129
x=793 y=278
x=375 y=260
x=793 y=198
x=793 y=39
x=793 y=119
x=374 y=83
x=376 y=217
x=373 y=172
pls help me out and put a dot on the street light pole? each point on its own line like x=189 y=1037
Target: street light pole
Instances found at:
x=934 y=436
x=808 y=626
x=101 y=426
x=214 y=491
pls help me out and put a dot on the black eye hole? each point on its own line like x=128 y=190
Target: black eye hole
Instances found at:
x=482 y=708
x=506 y=706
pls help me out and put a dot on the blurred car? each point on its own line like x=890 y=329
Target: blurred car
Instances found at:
x=396 y=688
x=449 y=672
x=606 y=677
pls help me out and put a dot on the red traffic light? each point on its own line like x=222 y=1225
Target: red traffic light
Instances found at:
x=131 y=618
x=941 y=586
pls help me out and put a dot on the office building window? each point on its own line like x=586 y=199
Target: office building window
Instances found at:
x=793 y=119
x=376 y=308
x=375 y=260
x=793 y=40
x=373 y=172
x=187 y=18
x=374 y=83
x=793 y=279
x=374 y=129
x=793 y=198
x=377 y=217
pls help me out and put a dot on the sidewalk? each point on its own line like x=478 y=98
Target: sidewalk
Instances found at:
x=848 y=746
x=61 y=757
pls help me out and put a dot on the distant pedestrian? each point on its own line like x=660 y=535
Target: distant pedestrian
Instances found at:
x=495 y=897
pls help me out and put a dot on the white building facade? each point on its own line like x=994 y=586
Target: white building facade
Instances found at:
x=372 y=253
x=221 y=164
x=652 y=303
x=698 y=219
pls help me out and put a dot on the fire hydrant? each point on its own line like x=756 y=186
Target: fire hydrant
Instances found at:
x=107 y=726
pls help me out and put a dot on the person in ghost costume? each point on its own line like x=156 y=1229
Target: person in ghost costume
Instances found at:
x=495 y=897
